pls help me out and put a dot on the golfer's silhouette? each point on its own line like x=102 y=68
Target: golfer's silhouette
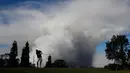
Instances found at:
x=39 y=56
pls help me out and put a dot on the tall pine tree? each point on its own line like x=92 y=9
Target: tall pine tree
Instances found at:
x=13 y=55
x=25 y=56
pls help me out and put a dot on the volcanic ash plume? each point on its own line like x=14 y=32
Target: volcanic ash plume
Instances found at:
x=72 y=32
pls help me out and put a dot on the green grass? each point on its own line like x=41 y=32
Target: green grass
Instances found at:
x=55 y=70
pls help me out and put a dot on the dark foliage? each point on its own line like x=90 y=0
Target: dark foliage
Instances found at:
x=13 y=54
x=114 y=67
x=2 y=62
x=117 y=48
x=60 y=63
x=49 y=62
x=25 y=56
x=10 y=60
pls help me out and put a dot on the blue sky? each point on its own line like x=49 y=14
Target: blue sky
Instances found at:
x=3 y=46
x=7 y=3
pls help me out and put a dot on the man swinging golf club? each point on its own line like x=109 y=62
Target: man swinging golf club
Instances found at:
x=39 y=56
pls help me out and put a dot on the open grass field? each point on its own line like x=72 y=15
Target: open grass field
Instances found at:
x=61 y=70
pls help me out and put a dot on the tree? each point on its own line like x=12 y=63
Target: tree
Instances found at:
x=22 y=58
x=128 y=57
x=117 y=48
x=6 y=59
x=2 y=62
x=13 y=55
x=49 y=62
x=25 y=56
x=60 y=63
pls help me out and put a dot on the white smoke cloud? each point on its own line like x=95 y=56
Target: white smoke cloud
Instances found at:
x=87 y=23
x=70 y=31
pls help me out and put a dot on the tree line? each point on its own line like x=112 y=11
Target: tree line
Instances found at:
x=117 y=49
x=10 y=60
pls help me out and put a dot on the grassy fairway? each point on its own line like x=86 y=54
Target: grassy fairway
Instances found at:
x=61 y=70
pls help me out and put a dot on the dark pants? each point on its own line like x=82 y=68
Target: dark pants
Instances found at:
x=39 y=60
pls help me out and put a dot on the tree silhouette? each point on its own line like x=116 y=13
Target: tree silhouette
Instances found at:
x=25 y=56
x=13 y=55
x=128 y=57
x=60 y=63
x=6 y=59
x=22 y=57
x=2 y=62
x=49 y=62
x=117 y=48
